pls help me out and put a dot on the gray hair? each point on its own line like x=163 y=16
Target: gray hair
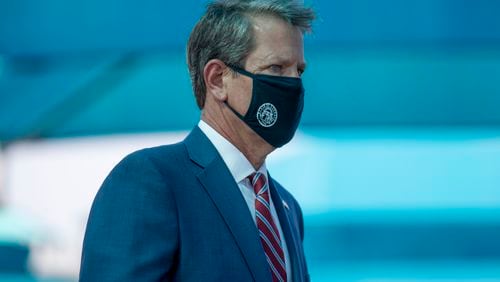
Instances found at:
x=225 y=32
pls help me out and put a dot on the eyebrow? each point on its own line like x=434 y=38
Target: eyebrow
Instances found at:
x=282 y=60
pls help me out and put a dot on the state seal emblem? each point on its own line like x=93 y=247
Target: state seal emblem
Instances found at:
x=267 y=115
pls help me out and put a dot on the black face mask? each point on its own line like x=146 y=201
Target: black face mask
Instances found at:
x=276 y=106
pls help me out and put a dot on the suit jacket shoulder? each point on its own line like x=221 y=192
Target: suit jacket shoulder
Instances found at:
x=133 y=203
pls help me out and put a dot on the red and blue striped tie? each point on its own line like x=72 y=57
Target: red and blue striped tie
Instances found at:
x=269 y=235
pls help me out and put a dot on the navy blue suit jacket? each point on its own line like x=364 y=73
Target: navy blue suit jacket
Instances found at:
x=175 y=213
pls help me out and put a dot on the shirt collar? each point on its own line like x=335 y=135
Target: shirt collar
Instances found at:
x=235 y=161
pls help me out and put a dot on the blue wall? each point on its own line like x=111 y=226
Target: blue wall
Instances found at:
x=59 y=26
x=95 y=67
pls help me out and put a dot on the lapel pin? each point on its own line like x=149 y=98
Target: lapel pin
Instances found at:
x=286 y=205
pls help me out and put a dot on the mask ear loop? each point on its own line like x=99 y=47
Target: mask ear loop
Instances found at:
x=234 y=111
x=245 y=73
x=241 y=71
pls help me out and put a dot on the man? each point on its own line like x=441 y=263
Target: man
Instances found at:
x=206 y=209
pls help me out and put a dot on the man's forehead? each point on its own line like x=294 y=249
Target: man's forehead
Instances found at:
x=278 y=48
x=276 y=31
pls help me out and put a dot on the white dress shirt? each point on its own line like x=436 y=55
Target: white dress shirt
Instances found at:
x=240 y=169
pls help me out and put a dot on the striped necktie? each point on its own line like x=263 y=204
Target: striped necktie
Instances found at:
x=269 y=235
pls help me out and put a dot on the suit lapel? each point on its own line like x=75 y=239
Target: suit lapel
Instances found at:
x=224 y=192
x=290 y=237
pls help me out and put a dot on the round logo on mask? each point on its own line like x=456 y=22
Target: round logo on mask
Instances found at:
x=267 y=115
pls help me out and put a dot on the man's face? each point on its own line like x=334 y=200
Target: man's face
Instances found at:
x=278 y=51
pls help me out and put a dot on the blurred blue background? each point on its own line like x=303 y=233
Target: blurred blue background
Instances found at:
x=398 y=163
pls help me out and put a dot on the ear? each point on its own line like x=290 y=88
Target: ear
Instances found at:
x=213 y=74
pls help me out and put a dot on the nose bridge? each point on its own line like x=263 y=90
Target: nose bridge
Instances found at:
x=292 y=71
x=296 y=73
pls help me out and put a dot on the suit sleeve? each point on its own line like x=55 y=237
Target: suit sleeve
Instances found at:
x=132 y=230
